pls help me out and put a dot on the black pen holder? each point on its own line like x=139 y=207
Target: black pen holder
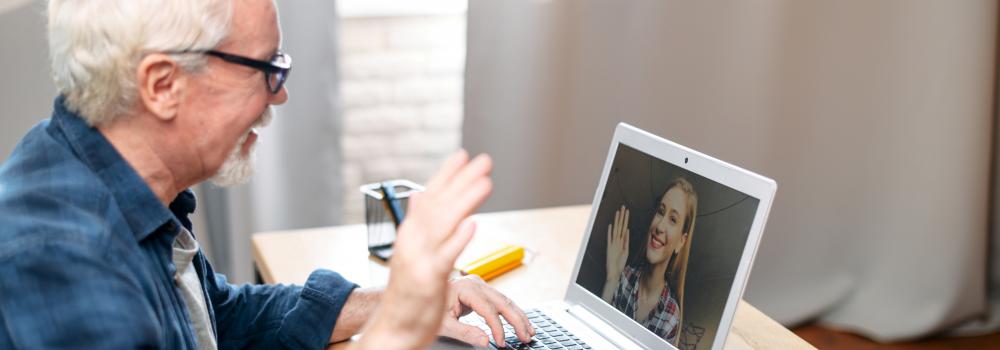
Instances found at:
x=378 y=214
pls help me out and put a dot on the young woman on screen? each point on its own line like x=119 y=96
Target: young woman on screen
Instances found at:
x=651 y=288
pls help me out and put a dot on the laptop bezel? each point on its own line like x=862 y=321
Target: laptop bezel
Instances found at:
x=739 y=179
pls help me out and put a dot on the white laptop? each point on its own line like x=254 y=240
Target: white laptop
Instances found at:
x=693 y=223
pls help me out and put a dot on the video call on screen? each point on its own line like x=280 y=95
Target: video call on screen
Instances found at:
x=686 y=233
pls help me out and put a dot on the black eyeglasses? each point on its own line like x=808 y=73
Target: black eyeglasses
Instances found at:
x=275 y=71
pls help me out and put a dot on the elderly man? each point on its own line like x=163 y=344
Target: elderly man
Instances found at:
x=96 y=249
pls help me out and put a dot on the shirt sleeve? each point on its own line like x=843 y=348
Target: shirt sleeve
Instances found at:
x=278 y=316
x=621 y=297
x=44 y=304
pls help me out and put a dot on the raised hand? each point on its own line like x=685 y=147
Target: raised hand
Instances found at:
x=618 y=235
x=434 y=233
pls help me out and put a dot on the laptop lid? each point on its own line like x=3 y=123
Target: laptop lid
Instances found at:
x=680 y=258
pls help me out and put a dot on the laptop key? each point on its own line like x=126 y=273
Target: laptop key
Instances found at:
x=510 y=346
x=551 y=335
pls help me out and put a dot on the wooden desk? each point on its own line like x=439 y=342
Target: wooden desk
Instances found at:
x=555 y=234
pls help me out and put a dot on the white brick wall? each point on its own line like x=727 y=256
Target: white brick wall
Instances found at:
x=401 y=85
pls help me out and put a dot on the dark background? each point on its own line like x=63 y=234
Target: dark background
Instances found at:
x=720 y=233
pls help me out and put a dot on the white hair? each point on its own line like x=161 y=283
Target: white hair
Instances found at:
x=96 y=45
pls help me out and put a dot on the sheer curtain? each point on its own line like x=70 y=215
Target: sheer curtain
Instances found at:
x=875 y=118
x=298 y=179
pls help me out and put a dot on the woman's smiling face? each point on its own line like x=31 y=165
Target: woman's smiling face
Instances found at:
x=666 y=231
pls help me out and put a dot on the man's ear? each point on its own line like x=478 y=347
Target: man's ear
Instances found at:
x=159 y=81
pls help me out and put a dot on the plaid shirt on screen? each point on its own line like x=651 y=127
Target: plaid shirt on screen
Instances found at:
x=664 y=319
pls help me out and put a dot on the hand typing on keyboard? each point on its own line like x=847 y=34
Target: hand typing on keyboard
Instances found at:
x=470 y=293
x=550 y=335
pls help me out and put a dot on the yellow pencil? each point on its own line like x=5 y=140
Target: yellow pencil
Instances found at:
x=495 y=263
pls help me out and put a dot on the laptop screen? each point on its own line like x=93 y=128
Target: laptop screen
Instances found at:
x=665 y=247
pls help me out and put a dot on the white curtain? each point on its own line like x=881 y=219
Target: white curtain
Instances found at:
x=298 y=180
x=875 y=118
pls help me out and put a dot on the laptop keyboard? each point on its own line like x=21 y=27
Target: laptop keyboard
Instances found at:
x=548 y=334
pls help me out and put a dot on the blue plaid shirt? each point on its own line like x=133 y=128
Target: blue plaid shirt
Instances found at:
x=85 y=259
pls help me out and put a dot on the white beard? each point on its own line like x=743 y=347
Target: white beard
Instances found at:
x=237 y=169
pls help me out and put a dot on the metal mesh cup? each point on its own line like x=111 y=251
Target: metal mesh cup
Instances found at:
x=378 y=216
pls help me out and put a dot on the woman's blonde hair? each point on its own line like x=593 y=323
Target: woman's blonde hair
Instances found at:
x=95 y=46
x=677 y=271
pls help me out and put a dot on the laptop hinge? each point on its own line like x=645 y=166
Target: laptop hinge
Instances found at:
x=602 y=327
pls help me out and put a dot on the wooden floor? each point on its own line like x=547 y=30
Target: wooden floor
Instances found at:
x=828 y=339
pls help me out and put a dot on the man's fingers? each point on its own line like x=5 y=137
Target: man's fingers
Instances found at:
x=516 y=317
x=477 y=168
x=448 y=170
x=455 y=210
x=493 y=320
x=454 y=245
x=454 y=329
x=478 y=302
x=453 y=196
x=473 y=197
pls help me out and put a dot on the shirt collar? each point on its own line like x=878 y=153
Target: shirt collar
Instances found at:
x=140 y=207
x=182 y=206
